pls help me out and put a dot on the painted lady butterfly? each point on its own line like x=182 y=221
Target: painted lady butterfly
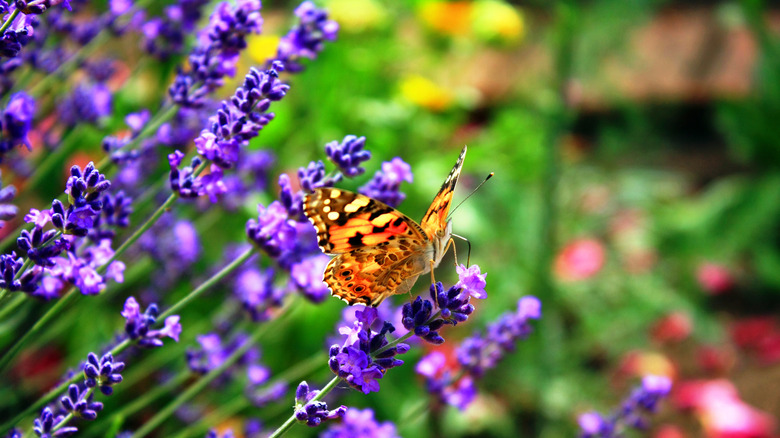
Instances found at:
x=378 y=250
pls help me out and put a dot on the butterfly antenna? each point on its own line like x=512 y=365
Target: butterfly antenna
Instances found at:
x=468 y=255
x=472 y=192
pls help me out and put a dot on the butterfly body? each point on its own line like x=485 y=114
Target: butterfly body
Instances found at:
x=378 y=251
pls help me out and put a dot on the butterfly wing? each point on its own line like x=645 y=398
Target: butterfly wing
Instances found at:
x=346 y=221
x=368 y=277
x=379 y=251
x=435 y=219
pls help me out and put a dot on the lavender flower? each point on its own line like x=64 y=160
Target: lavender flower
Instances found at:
x=81 y=405
x=362 y=359
x=15 y=122
x=164 y=36
x=138 y=325
x=236 y=122
x=360 y=424
x=40 y=6
x=472 y=281
x=216 y=53
x=386 y=183
x=83 y=190
x=43 y=426
x=17 y=36
x=313 y=413
x=9 y=267
x=272 y=232
x=307 y=39
x=307 y=277
x=255 y=291
x=103 y=373
x=477 y=353
x=454 y=307
x=642 y=401
x=213 y=353
x=88 y=103
x=348 y=154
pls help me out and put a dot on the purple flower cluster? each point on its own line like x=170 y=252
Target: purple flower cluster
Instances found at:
x=17 y=35
x=643 y=400
x=216 y=53
x=164 y=36
x=238 y=120
x=365 y=355
x=386 y=183
x=15 y=122
x=306 y=40
x=313 y=412
x=38 y=7
x=175 y=246
x=254 y=288
x=7 y=210
x=273 y=231
x=213 y=352
x=348 y=155
x=81 y=403
x=44 y=425
x=477 y=353
x=138 y=325
x=99 y=373
x=88 y=103
x=360 y=424
x=453 y=305
x=62 y=254
x=482 y=352
x=102 y=373
x=10 y=265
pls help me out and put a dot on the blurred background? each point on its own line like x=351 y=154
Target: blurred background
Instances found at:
x=636 y=153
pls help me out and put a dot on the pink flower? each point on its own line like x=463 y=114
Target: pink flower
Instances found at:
x=722 y=413
x=580 y=260
x=715 y=279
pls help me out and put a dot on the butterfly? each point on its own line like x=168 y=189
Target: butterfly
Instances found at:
x=378 y=250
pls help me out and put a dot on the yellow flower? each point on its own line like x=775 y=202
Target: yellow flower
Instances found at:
x=447 y=18
x=261 y=48
x=425 y=93
x=495 y=20
x=357 y=15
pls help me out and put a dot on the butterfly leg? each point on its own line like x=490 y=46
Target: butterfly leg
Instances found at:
x=468 y=257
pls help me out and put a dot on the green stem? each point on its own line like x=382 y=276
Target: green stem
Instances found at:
x=200 y=384
x=17 y=300
x=246 y=255
x=10 y=20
